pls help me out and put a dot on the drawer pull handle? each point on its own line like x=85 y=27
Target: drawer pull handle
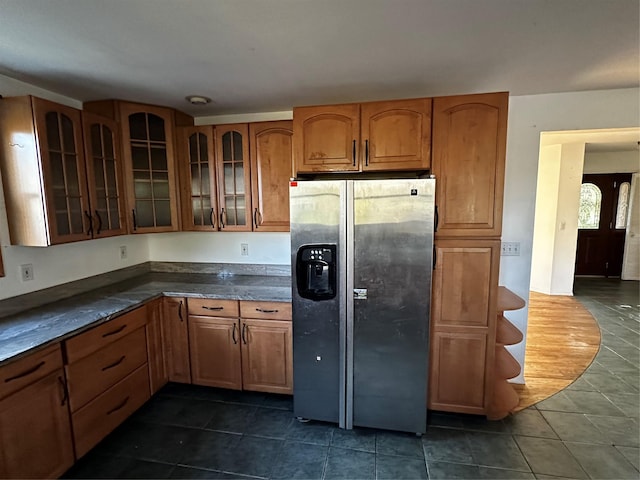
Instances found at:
x=25 y=373
x=264 y=310
x=114 y=332
x=65 y=391
x=115 y=409
x=216 y=309
x=114 y=364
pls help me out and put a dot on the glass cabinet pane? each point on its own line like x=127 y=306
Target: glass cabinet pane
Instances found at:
x=53 y=132
x=68 y=141
x=198 y=155
x=156 y=128
x=150 y=170
x=233 y=181
x=64 y=165
x=138 y=126
x=107 y=208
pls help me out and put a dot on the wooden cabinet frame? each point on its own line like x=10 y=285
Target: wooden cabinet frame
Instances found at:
x=463 y=325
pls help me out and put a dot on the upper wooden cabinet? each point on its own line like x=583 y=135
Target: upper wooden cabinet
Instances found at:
x=234 y=187
x=43 y=172
x=198 y=180
x=326 y=138
x=104 y=175
x=271 y=170
x=148 y=151
x=469 y=143
x=148 y=137
x=376 y=136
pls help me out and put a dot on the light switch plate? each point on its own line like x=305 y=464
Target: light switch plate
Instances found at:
x=510 y=249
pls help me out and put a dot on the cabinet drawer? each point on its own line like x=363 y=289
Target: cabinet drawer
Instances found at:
x=99 y=417
x=92 y=340
x=210 y=307
x=27 y=370
x=92 y=375
x=265 y=310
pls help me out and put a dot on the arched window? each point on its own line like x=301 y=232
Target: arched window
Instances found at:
x=590 y=202
x=623 y=205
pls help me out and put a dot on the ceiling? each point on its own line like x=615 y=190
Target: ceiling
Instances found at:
x=271 y=55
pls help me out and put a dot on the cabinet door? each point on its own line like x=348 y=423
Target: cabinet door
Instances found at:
x=463 y=317
x=271 y=169
x=396 y=135
x=104 y=175
x=469 y=142
x=215 y=351
x=175 y=335
x=59 y=132
x=198 y=192
x=326 y=138
x=148 y=152
x=458 y=364
x=35 y=431
x=155 y=353
x=234 y=186
x=267 y=352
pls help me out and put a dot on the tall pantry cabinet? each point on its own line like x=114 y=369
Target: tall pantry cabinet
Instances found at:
x=469 y=142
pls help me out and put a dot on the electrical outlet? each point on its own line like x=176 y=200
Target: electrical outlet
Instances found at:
x=123 y=252
x=27 y=272
x=244 y=249
x=510 y=249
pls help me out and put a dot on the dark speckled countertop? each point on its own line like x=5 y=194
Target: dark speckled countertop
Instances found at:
x=22 y=332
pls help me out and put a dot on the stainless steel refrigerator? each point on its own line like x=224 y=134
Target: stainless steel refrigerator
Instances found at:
x=362 y=259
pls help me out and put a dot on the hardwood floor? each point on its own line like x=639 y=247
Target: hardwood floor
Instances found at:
x=562 y=340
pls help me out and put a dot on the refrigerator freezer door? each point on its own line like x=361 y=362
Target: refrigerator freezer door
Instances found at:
x=318 y=221
x=392 y=260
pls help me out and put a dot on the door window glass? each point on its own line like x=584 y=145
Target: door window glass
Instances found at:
x=623 y=205
x=590 y=203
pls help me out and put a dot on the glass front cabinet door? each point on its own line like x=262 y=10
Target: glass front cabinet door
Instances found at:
x=150 y=171
x=234 y=187
x=196 y=157
x=59 y=131
x=104 y=176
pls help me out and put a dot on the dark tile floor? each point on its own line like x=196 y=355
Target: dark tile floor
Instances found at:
x=589 y=430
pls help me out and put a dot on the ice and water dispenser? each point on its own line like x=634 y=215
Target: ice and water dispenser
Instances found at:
x=316 y=271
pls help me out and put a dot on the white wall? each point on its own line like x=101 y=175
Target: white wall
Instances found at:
x=611 y=162
x=220 y=247
x=544 y=231
x=530 y=115
x=556 y=218
x=631 y=266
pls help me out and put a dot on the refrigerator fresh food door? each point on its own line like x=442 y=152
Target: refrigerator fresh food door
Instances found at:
x=318 y=219
x=391 y=283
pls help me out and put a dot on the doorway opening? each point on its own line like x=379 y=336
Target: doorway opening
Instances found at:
x=561 y=249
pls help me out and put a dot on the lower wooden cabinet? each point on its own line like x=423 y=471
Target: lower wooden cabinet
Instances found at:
x=215 y=351
x=158 y=376
x=242 y=353
x=267 y=354
x=35 y=431
x=175 y=337
x=103 y=414
x=463 y=316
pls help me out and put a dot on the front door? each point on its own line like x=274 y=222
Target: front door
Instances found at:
x=602 y=221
